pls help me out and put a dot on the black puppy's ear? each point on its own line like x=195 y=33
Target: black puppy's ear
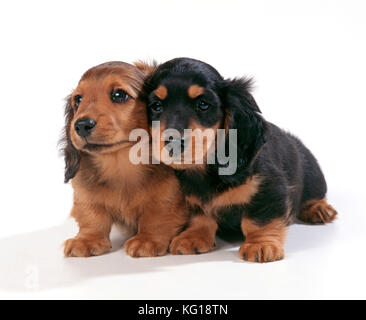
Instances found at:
x=71 y=155
x=243 y=114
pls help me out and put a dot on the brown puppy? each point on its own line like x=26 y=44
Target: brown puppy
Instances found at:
x=108 y=188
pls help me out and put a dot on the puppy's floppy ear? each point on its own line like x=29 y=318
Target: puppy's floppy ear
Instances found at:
x=71 y=155
x=243 y=114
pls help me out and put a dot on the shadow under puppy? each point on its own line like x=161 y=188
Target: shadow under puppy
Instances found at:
x=276 y=178
x=108 y=188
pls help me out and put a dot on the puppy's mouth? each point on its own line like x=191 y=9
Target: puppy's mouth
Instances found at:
x=95 y=147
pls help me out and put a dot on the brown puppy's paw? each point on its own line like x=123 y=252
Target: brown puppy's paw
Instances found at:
x=78 y=247
x=261 y=252
x=317 y=212
x=144 y=246
x=191 y=244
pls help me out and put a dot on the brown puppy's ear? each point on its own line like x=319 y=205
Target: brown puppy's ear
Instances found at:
x=71 y=155
x=146 y=68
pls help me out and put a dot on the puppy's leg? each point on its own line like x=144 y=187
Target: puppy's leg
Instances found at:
x=94 y=228
x=264 y=222
x=156 y=229
x=199 y=237
x=263 y=243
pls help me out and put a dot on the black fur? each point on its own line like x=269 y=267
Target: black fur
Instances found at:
x=244 y=115
x=229 y=219
x=290 y=173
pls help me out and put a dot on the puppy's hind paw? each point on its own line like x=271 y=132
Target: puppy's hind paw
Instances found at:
x=317 y=212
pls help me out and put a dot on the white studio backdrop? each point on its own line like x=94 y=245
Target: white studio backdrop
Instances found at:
x=307 y=59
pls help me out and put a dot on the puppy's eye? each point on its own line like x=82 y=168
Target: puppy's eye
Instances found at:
x=119 y=96
x=203 y=106
x=156 y=107
x=77 y=101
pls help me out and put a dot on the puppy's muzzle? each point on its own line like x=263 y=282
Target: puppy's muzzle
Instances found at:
x=84 y=127
x=178 y=142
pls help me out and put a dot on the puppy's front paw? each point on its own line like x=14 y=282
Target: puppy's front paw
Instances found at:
x=145 y=246
x=261 y=252
x=78 y=247
x=191 y=244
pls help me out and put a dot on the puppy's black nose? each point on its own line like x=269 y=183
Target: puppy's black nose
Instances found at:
x=84 y=127
x=178 y=142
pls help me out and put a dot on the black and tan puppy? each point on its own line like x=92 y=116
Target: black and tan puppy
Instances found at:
x=276 y=179
x=108 y=189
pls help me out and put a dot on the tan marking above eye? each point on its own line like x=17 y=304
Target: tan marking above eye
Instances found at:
x=161 y=92
x=195 y=90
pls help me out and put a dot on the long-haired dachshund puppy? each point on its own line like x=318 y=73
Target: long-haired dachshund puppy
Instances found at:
x=108 y=188
x=276 y=178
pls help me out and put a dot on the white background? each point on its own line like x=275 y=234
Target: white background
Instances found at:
x=308 y=60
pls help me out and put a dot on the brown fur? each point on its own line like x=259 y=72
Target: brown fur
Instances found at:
x=161 y=92
x=146 y=68
x=157 y=135
x=193 y=201
x=238 y=195
x=263 y=243
x=317 y=212
x=195 y=91
x=198 y=238
x=108 y=188
x=234 y=196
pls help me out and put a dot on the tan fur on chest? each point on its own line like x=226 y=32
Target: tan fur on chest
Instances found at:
x=234 y=196
x=111 y=200
x=117 y=187
x=122 y=189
